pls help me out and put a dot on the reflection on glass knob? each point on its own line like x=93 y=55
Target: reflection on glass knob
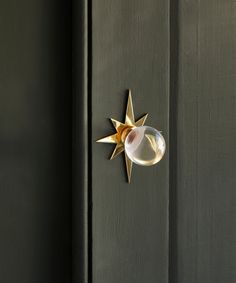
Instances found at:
x=142 y=145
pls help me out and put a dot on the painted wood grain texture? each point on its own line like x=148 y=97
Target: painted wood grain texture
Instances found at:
x=206 y=150
x=130 y=49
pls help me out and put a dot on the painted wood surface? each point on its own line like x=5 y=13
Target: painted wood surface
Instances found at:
x=204 y=234
x=176 y=222
x=130 y=49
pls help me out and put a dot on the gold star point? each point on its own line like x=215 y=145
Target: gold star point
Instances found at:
x=122 y=129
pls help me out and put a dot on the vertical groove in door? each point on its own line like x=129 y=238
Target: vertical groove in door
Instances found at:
x=80 y=143
x=89 y=87
x=173 y=146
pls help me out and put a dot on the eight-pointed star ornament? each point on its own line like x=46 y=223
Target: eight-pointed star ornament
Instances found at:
x=122 y=130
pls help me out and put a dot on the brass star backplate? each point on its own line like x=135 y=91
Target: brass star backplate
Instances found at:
x=122 y=130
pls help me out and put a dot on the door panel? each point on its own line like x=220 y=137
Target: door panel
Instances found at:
x=130 y=49
x=205 y=211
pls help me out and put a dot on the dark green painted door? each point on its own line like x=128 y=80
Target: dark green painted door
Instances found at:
x=67 y=213
x=130 y=49
x=204 y=148
x=179 y=58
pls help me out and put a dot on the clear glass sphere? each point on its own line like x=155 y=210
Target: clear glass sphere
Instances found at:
x=145 y=145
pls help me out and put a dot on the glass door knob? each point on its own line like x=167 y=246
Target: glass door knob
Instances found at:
x=145 y=145
x=141 y=144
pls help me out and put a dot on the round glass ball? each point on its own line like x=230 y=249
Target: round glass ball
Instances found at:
x=145 y=146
